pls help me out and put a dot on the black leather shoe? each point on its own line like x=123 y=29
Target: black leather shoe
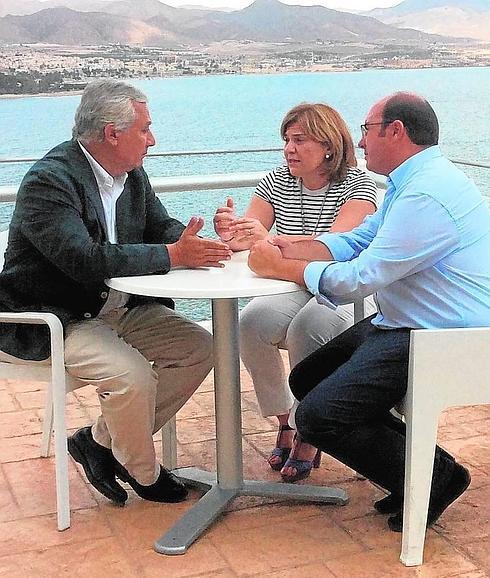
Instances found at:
x=390 y=504
x=167 y=488
x=98 y=465
x=458 y=483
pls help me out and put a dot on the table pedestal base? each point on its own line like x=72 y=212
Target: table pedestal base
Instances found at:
x=178 y=539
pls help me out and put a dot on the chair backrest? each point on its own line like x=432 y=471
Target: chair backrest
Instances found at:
x=10 y=368
x=451 y=365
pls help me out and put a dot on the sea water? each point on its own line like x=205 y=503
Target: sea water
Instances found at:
x=236 y=112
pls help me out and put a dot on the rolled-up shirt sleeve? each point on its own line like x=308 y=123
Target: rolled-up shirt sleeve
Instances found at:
x=343 y=247
x=415 y=233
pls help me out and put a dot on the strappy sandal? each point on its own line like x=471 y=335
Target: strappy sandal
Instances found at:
x=278 y=451
x=302 y=467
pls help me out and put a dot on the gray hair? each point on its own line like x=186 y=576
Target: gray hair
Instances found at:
x=103 y=102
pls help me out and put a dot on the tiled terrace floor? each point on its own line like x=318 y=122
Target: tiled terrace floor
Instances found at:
x=255 y=538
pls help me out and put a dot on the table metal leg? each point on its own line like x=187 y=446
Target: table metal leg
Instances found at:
x=228 y=483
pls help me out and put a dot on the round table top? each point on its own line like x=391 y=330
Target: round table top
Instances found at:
x=235 y=279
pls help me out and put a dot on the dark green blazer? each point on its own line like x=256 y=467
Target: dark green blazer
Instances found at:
x=58 y=254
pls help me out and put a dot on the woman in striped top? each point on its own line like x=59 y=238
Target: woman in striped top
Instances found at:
x=321 y=189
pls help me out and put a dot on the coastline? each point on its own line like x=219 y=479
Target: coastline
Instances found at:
x=318 y=69
x=42 y=94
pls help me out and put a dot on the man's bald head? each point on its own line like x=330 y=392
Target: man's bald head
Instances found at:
x=416 y=114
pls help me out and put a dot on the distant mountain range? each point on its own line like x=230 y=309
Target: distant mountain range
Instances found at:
x=458 y=18
x=152 y=23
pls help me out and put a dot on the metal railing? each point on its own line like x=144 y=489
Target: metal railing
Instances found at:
x=216 y=181
x=224 y=152
x=208 y=181
x=179 y=184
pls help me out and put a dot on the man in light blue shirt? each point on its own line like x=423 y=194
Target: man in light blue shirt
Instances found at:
x=425 y=254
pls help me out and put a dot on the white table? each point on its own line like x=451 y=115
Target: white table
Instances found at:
x=224 y=286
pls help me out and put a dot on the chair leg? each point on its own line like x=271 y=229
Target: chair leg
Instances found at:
x=419 y=461
x=61 y=454
x=169 y=444
x=47 y=423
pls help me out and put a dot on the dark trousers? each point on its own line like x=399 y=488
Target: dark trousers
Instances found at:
x=346 y=390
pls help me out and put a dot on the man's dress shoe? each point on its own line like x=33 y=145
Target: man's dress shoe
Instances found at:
x=458 y=483
x=98 y=465
x=167 y=488
x=390 y=504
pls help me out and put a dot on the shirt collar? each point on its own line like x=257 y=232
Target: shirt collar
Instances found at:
x=104 y=179
x=398 y=175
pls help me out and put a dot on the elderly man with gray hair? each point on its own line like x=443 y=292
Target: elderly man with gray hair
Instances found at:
x=86 y=212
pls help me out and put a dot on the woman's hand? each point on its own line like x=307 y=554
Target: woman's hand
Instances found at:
x=248 y=230
x=222 y=220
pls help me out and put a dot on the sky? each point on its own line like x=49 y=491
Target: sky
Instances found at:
x=335 y=4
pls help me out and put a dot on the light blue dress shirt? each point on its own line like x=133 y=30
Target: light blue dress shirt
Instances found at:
x=425 y=252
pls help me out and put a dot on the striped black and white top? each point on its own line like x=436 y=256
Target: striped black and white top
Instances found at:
x=282 y=191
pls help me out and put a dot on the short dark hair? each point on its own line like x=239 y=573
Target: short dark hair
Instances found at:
x=417 y=116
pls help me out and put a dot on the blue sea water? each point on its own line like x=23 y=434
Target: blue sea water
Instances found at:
x=221 y=112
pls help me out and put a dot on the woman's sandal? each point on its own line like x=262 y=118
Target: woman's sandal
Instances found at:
x=278 y=451
x=302 y=467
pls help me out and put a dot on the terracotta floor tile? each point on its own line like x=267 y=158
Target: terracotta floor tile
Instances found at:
x=20 y=423
x=192 y=410
x=203 y=454
x=76 y=416
x=227 y=573
x=31 y=399
x=440 y=561
x=249 y=401
x=372 y=531
x=9 y=509
x=196 y=430
x=205 y=400
x=16 y=385
x=255 y=466
x=86 y=395
x=474 y=450
x=20 y=448
x=39 y=533
x=362 y=494
x=7 y=401
x=464 y=430
x=259 y=537
x=201 y=558
x=269 y=514
x=263 y=442
x=33 y=486
x=479 y=554
x=307 y=571
x=272 y=547
x=96 y=558
x=140 y=523
x=253 y=422
x=207 y=384
x=468 y=519
x=480 y=475
x=456 y=415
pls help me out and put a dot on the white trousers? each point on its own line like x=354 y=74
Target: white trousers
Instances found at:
x=293 y=321
x=145 y=363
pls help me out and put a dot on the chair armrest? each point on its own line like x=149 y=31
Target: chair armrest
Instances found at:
x=55 y=333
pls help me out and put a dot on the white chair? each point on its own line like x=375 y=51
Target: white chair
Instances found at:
x=447 y=367
x=59 y=382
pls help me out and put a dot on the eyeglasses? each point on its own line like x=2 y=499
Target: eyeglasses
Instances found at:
x=365 y=127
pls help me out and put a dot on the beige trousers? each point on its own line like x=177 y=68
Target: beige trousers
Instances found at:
x=145 y=363
x=293 y=321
